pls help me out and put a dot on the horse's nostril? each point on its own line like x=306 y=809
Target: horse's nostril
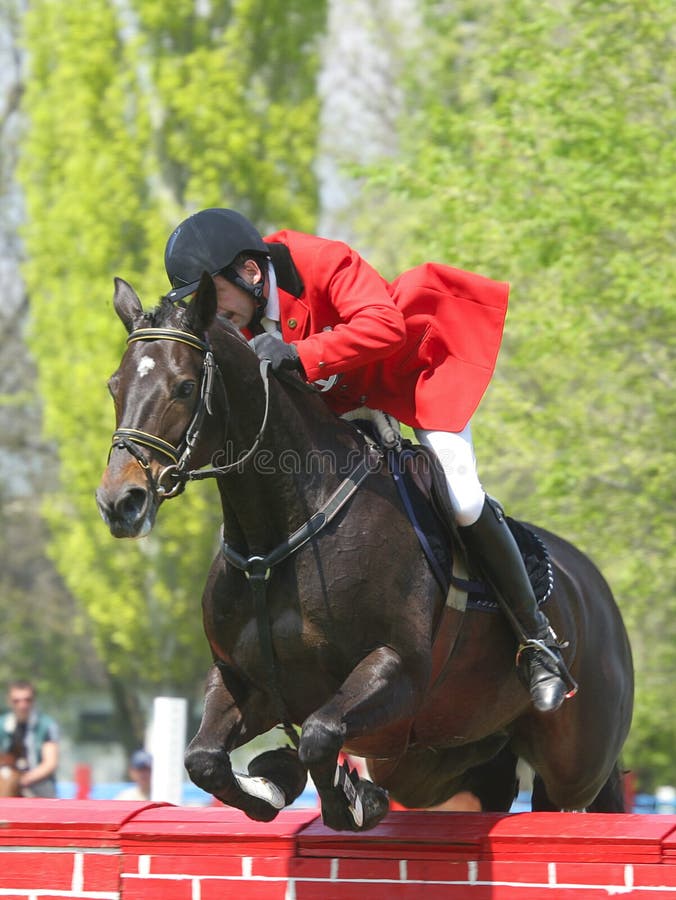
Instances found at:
x=130 y=505
x=127 y=511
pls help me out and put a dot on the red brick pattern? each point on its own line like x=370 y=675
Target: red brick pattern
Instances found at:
x=89 y=850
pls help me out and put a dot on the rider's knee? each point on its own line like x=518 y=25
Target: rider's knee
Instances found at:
x=468 y=505
x=455 y=453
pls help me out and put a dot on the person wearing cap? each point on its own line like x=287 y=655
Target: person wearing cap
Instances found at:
x=422 y=348
x=140 y=772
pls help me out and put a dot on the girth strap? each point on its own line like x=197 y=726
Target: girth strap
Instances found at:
x=258 y=575
x=258 y=570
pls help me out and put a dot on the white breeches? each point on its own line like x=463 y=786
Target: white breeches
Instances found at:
x=455 y=452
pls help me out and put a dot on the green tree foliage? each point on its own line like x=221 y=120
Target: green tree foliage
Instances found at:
x=139 y=113
x=538 y=147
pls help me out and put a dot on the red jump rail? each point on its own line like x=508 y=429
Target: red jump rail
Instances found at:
x=112 y=850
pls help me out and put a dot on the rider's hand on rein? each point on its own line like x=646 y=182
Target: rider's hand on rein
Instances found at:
x=281 y=355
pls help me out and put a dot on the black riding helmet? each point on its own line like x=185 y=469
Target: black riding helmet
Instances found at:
x=210 y=241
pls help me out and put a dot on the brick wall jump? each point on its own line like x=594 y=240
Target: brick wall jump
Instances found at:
x=108 y=850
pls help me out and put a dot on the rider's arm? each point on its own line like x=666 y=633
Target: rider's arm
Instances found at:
x=347 y=294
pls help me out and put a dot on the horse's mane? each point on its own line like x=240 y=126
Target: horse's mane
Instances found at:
x=172 y=313
x=164 y=313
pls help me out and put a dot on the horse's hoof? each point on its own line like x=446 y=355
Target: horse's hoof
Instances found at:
x=283 y=768
x=355 y=804
x=375 y=803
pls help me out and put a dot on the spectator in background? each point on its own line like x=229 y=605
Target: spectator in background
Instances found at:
x=140 y=770
x=32 y=738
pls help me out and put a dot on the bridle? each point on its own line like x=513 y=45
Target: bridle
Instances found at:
x=133 y=440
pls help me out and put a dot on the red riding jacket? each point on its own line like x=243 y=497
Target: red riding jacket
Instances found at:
x=422 y=348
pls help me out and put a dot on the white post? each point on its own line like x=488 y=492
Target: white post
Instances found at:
x=168 y=733
x=665 y=799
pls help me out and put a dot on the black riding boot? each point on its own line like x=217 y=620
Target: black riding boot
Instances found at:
x=496 y=551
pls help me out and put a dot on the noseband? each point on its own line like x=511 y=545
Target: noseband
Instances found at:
x=132 y=439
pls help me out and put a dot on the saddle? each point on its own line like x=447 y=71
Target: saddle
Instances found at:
x=421 y=484
x=420 y=478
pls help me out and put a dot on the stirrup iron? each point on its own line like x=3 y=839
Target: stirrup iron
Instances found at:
x=542 y=645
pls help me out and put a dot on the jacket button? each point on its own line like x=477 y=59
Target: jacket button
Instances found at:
x=321 y=364
x=291 y=323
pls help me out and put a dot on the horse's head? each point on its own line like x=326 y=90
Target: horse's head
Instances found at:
x=164 y=389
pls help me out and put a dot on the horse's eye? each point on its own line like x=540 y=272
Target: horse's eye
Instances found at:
x=184 y=390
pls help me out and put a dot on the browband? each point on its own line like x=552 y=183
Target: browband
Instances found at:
x=173 y=334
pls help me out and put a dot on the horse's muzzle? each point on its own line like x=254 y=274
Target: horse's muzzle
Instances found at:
x=128 y=511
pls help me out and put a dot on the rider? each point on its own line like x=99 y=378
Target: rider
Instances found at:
x=422 y=349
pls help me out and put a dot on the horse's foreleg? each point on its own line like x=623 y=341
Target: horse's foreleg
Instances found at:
x=225 y=725
x=379 y=693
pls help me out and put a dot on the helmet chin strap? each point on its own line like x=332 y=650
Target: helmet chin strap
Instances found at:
x=256 y=291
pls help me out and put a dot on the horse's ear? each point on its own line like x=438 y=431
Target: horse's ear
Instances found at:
x=202 y=308
x=127 y=304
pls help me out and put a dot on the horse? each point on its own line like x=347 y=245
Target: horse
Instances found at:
x=10 y=776
x=323 y=613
